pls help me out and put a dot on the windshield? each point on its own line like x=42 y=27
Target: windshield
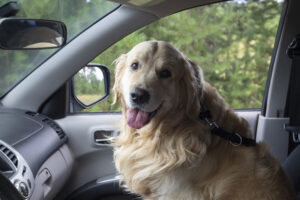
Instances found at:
x=76 y=14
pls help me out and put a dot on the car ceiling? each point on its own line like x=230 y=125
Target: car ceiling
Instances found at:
x=162 y=8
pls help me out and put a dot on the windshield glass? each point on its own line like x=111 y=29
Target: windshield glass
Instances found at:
x=76 y=14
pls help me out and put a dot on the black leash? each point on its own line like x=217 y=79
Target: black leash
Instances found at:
x=234 y=138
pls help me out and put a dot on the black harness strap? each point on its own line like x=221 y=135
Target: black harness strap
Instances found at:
x=234 y=138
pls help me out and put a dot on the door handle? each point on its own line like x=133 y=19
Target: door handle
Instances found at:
x=104 y=137
x=103 y=141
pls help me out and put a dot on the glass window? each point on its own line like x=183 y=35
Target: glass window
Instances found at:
x=76 y=14
x=232 y=41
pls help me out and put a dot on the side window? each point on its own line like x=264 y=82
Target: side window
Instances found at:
x=232 y=41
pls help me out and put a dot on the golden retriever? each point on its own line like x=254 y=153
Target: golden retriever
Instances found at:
x=165 y=152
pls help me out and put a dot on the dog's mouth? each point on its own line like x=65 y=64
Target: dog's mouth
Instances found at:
x=137 y=118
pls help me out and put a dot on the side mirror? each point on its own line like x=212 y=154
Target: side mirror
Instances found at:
x=18 y=34
x=90 y=86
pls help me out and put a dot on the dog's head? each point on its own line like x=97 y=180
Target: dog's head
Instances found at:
x=155 y=80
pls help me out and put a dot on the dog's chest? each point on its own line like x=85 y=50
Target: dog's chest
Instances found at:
x=178 y=186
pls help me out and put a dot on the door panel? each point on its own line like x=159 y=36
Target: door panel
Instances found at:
x=92 y=161
x=252 y=117
x=271 y=131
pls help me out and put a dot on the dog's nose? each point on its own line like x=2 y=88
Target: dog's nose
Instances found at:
x=139 y=96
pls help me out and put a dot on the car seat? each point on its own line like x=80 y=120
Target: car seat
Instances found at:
x=291 y=166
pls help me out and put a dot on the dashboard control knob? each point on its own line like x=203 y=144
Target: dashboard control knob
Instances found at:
x=22 y=188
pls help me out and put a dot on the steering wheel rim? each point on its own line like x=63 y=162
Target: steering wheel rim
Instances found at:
x=8 y=190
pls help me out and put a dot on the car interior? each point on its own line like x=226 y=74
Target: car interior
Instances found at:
x=51 y=150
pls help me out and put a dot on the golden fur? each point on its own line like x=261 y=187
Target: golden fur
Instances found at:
x=175 y=156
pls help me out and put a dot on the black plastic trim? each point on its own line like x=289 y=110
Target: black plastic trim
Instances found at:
x=9 y=9
x=57 y=106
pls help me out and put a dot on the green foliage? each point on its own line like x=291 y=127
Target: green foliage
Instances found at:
x=231 y=41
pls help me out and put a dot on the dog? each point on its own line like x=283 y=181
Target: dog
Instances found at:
x=165 y=152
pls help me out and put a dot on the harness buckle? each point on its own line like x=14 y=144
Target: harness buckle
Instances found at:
x=238 y=143
x=211 y=123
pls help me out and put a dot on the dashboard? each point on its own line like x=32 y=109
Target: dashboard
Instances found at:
x=34 y=156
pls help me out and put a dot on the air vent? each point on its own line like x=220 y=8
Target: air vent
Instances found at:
x=9 y=154
x=31 y=113
x=56 y=128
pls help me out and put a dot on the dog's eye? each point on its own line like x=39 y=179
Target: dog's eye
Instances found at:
x=164 y=74
x=134 y=66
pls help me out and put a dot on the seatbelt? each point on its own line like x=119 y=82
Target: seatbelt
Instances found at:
x=293 y=98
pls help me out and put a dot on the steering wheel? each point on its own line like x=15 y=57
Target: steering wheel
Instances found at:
x=8 y=190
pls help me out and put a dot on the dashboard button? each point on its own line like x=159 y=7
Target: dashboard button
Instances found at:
x=22 y=188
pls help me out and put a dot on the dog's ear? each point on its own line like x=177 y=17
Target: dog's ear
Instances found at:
x=120 y=66
x=198 y=73
x=193 y=81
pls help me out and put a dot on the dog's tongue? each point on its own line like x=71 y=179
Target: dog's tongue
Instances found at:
x=137 y=118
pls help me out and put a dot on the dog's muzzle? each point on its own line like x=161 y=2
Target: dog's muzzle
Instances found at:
x=139 y=96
